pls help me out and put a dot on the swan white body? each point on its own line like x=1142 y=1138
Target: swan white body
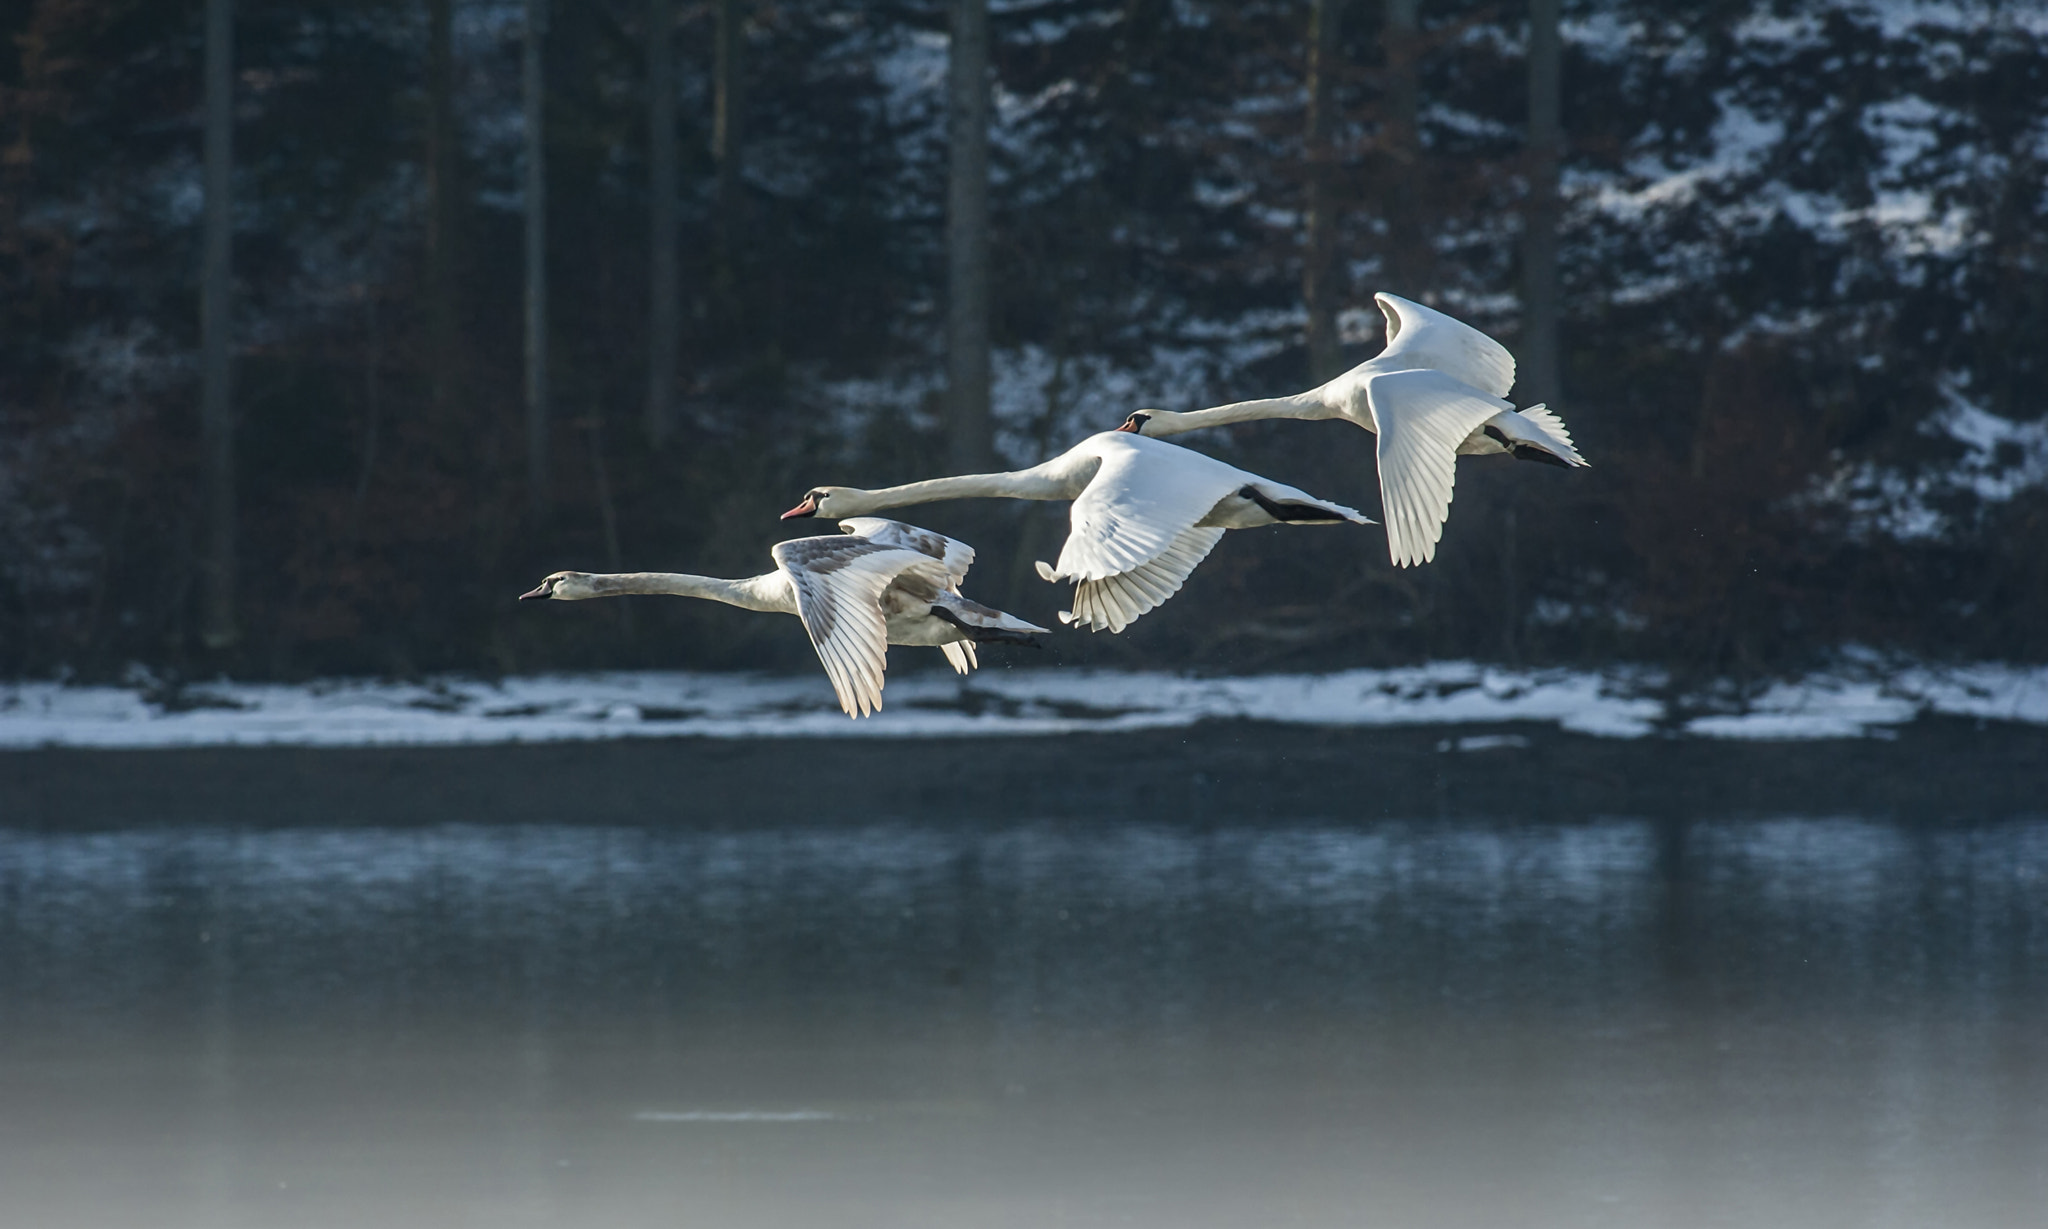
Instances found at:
x=882 y=583
x=1435 y=392
x=1144 y=514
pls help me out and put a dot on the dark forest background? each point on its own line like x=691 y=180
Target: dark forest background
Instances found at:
x=1802 y=319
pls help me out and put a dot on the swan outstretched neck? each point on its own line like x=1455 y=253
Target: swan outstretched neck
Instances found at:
x=754 y=593
x=1144 y=514
x=1433 y=394
x=878 y=583
x=1058 y=478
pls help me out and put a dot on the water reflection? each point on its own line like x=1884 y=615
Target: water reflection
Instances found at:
x=1622 y=1022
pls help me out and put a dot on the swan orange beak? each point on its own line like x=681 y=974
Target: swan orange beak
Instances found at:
x=545 y=590
x=1130 y=424
x=809 y=507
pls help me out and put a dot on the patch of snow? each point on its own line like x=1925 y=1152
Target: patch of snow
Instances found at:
x=1617 y=703
x=1817 y=708
x=1986 y=692
x=1442 y=117
x=913 y=71
x=1777 y=30
x=2002 y=458
x=1902 y=18
x=1040 y=399
x=1604 y=35
x=1741 y=140
x=602 y=706
x=1905 y=127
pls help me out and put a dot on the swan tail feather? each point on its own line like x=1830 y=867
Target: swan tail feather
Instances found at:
x=1554 y=439
x=984 y=624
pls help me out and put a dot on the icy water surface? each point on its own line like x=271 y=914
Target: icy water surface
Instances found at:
x=1792 y=1021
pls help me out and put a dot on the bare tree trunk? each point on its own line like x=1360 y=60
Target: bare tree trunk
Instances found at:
x=970 y=435
x=728 y=146
x=662 y=312
x=1539 y=370
x=442 y=316
x=217 y=626
x=536 y=261
x=1321 y=282
x=1407 y=255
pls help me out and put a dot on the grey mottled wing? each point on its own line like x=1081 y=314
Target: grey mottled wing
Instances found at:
x=955 y=554
x=839 y=583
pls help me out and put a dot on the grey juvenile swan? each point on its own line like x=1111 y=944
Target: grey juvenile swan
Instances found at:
x=882 y=583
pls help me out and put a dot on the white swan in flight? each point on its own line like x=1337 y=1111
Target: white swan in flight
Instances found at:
x=1435 y=392
x=1145 y=513
x=883 y=583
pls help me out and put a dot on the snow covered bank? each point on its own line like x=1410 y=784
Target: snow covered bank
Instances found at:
x=1612 y=704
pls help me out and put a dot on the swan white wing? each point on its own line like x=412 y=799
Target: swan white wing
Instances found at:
x=1419 y=336
x=1144 y=496
x=1112 y=603
x=960 y=655
x=1548 y=423
x=1423 y=416
x=839 y=583
x=955 y=554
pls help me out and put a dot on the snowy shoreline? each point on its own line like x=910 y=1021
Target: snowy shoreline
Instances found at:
x=1619 y=703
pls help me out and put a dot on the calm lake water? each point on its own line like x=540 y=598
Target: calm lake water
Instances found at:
x=1080 y=1019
